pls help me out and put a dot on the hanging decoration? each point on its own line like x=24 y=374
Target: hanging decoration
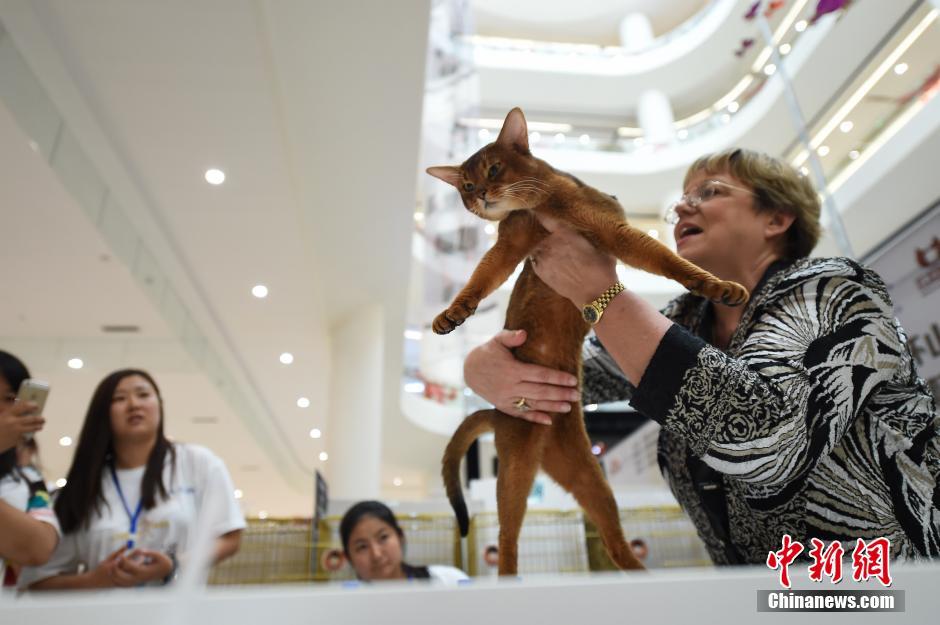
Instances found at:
x=745 y=45
x=824 y=7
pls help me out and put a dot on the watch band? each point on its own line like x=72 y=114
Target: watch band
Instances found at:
x=593 y=312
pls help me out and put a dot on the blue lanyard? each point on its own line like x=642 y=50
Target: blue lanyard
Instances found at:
x=132 y=534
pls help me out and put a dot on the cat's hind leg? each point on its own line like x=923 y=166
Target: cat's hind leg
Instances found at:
x=569 y=461
x=519 y=446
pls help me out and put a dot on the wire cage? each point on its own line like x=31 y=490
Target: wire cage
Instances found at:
x=279 y=551
x=272 y=551
x=666 y=534
x=551 y=541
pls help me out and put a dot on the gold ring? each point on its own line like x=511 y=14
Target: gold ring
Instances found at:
x=522 y=404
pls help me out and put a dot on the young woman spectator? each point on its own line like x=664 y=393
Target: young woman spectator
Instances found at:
x=29 y=531
x=374 y=544
x=133 y=499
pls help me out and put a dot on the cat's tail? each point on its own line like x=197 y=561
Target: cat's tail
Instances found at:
x=471 y=428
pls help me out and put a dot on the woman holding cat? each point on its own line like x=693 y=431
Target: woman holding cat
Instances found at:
x=133 y=499
x=800 y=413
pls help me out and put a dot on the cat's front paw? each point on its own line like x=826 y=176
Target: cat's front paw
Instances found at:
x=445 y=322
x=726 y=292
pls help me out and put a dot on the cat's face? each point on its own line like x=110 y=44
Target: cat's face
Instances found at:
x=500 y=177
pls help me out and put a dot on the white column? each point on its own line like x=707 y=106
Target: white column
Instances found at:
x=654 y=112
x=355 y=419
x=636 y=32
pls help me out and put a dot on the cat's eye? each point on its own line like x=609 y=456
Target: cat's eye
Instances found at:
x=468 y=187
x=494 y=169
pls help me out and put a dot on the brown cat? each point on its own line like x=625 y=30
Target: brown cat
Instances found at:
x=504 y=182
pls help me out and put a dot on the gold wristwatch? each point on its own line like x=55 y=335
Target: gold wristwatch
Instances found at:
x=592 y=312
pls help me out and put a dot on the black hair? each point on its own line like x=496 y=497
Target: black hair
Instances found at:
x=14 y=372
x=95 y=450
x=380 y=511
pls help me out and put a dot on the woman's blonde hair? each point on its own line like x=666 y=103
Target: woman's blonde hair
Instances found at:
x=777 y=187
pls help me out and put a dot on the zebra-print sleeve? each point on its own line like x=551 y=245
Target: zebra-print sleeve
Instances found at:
x=813 y=358
x=602 y=381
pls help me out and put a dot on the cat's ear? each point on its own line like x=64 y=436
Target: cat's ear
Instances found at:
x=515 y=132
x=447 y=173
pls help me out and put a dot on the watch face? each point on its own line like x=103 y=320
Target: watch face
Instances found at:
x=590 y=314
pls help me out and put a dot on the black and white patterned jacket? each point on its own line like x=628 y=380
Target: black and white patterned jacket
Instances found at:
x=813 y=423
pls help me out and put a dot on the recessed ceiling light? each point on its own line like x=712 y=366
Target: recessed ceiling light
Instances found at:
x=900 y=68
x=804 y=171
x=560 y=137
x=823 y=150
x=61 y=482
x=303 y=402
x=238 y=493
x=286 y=358
x=846 y=126
x=535 y=137
x=682 y=134
x=653 y=232
x=484 y=134
x=397 y=481
x=584 y=139
x=65 y=441
x=260 y=291
x=324 y=456
x=75 y=363
x=315 y=433
x=215 y=176
x=785 y=49
x=725 y=118
x=263 y=514
x=801 y=26
x=489 y=229
x=769 y=69
x=419 y=217
x=733 y=107
x=854 y=154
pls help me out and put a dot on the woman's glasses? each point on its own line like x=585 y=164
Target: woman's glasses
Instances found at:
x=696 y=197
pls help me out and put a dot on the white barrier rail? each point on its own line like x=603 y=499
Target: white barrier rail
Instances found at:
x=728 y=596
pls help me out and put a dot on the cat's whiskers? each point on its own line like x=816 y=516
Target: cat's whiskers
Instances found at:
x=521 y=189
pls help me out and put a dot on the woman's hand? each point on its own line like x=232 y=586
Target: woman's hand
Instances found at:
x=141 y=566
x=17 y=419
x=495 y=375
x=126 y=570
x=102 y=576
x=571 y=265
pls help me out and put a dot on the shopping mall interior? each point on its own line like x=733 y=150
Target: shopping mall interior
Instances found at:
x=231 y=195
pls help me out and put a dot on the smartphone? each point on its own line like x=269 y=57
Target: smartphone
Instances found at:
x=35 y=391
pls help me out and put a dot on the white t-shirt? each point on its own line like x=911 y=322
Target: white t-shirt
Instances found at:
x=447 y=575
x=199 y=477
x=16 y=491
